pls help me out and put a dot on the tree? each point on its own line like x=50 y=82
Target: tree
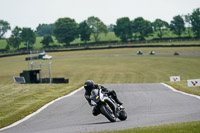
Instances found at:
x=97 y=27
x=159 y=26
x=111 y=27
x=47 y=40
x=4 y=27
x=15 y=39
x=84 y=31
x=28 y=37
x=66 y=30
x=122 y=29
x=142 y=28
x=188 y=22
x=195 y=21
x=45 y=29
x=177 y=25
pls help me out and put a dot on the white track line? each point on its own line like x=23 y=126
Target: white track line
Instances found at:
x=184 y=93
x=39 y=110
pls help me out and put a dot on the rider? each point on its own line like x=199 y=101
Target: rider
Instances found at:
x=89 y=86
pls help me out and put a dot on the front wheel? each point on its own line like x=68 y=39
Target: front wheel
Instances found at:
x=108 y=113
x=122 y=115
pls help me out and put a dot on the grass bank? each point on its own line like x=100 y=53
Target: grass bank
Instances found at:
x=102 y=66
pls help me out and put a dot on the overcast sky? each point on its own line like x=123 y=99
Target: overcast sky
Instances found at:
x=31 y=13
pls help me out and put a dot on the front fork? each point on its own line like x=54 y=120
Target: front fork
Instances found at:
x=113 y=106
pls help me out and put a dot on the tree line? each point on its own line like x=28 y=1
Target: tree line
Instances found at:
x=66 y=29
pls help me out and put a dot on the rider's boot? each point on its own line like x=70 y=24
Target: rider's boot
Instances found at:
x=114 y=95
x=117 y=101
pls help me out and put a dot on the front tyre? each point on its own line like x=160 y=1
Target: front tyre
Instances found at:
x=108 y=113
x=122 y=115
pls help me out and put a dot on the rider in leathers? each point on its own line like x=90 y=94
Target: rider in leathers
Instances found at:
x=89 y=86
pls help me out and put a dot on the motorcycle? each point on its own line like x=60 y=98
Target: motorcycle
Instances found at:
x=107 y=105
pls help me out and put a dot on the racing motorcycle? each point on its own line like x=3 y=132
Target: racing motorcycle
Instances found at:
x=107 y=105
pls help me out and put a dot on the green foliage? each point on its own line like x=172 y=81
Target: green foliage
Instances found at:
x=28 y=37
x=160 y=26
x=47 y=40
x=195 y=21
x=97 y=27
x=111 y=27
x=4 y=27
x=177 y=25
x=45 y=29
x=188 y=23
x=14 y=42
x=142 y=28
x=66 y=30
x=15 y=39
x=84 y=31
x=122 y=29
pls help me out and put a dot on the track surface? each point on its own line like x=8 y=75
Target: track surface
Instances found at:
x=146 y=105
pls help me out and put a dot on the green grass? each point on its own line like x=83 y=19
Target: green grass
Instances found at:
x=182 y=86
x=189 y=127
x=102 y=66
x=3 y=44
x=110 y=36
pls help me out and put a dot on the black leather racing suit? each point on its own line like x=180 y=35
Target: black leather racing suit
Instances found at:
x=112 y=93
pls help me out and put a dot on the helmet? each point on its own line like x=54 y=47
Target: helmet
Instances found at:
x=89 y=85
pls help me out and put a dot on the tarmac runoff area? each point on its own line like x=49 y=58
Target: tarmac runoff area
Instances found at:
x=146 y=105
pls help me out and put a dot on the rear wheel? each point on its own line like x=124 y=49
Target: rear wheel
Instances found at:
x=108 y=113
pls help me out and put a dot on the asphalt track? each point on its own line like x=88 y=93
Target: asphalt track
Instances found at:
x=146 y=105
x=128 y=54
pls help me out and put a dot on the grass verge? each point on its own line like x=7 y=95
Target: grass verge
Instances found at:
x=188 y=127
x=182 y=86
x=18 y=101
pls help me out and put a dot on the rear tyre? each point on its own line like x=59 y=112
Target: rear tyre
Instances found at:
x=108 y=113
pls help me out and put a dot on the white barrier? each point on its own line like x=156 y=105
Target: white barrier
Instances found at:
x=193 y=82
x=175 y=78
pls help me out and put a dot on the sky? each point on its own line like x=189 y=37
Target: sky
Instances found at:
x=31 y=13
